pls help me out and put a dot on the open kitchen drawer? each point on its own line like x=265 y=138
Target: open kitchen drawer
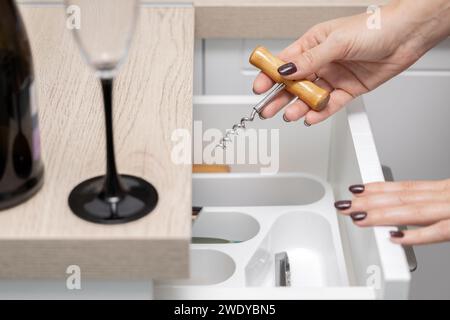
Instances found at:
x=290 y=212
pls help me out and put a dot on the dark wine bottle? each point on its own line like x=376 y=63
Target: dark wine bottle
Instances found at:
x=21 y=168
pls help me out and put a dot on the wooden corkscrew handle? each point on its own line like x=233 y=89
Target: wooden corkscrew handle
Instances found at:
x=314 y=96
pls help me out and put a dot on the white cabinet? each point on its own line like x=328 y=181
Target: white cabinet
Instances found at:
x=410 y=118
x=437 y=59
x=409 y=115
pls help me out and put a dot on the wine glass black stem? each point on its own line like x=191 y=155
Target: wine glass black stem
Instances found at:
x=113 y=189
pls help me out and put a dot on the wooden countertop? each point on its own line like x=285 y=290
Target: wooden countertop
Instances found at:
x=153 y=97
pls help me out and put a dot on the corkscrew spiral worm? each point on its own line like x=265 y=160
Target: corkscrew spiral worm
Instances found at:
x=257 y=109
x=234 y=131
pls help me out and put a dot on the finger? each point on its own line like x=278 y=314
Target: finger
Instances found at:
x=438 y=232
x=414 y=215
x=310 y=39
x=338 y=99
x=323 y=84
x=384 y=187
x=262 y=83
x=295 y=111
x=298 y=109
x=341 y=77
x=392 y=199
x=282 y=99
x=310 y=61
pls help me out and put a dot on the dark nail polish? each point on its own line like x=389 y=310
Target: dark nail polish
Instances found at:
x=287 y=69
x=306 y=124
x=357 y=188
x=261 y=116
x=286 y=119
x=397 y=234
x=343 y=204
x=358 y=216
x=196 y=210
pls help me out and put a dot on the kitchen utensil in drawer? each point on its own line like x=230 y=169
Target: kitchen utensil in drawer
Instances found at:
x=282 y=270
x=205 y=240
x=195 y=212
x=314 y=96
x=210 y=168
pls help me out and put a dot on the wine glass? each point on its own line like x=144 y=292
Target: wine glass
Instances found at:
x=103 y=30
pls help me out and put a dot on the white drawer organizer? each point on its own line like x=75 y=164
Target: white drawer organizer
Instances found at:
x=291 y=211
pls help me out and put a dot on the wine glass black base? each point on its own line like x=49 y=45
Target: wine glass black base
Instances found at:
x=87 y=201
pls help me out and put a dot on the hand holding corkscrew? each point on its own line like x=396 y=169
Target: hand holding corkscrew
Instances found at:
x=315 y=97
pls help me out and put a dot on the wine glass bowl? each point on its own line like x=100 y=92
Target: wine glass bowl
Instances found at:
x=104 y=32
x=104 y=36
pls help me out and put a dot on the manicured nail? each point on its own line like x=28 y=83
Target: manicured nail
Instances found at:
x=196 y=210
x=287 y=69
x=286 y=119
x=261 y=116
x=356 y=188
x=306 y=124
x=343 y=204
x=397 y=234
x=358 y=216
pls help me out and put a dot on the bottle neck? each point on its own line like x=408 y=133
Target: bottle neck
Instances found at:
x=15 y=51
x=12 y=30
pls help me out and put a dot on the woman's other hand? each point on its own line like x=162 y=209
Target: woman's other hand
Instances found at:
x=425 y=204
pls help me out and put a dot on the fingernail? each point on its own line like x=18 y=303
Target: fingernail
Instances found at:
x=397 y=234
x=286 y=119
x=287 y=69
x=196 y=210
x=257 y=93
x=343 y=204
x=357 y=188
x=261 y=116
x=358 y=216
x=306 y=124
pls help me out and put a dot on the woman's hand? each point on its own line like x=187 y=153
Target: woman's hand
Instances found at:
x=424 y=203
x=350 y=59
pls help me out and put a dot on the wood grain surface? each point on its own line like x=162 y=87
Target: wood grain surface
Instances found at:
x=153 y=97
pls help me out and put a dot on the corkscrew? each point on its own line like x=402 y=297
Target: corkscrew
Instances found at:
x=257 y=109
x=314 y=96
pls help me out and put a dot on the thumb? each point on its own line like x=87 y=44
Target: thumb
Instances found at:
x=309 y=62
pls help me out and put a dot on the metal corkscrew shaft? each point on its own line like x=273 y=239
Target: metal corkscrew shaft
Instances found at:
x=257 y=109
